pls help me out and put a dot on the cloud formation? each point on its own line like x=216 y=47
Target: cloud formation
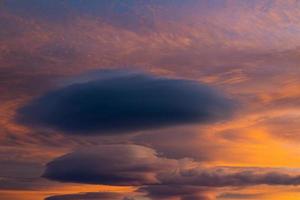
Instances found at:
x=230 y=176
x=160 y=192
x=109 y=164
x=241 y=46
x=91 y=196
x=140 y=166
x=120 y=102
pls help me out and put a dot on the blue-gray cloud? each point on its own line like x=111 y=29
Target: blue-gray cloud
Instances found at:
x=121 y=102
x=109 y=164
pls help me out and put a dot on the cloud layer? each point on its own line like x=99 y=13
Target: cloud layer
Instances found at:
x=138 y=165
x=120 y=102
x=109 y=164
x=238 y=46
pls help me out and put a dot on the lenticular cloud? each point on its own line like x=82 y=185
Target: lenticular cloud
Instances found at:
x=114 y=102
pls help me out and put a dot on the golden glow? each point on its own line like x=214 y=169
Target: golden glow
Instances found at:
x=247 y=49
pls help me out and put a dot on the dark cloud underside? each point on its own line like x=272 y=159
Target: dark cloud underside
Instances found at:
x=109 y=164
x=120 y=102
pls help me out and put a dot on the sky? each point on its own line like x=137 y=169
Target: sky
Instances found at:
x=149 y=100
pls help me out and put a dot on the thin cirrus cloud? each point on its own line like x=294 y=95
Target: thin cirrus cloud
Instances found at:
x=120 y=102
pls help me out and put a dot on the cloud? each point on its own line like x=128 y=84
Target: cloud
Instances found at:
x=109 y=164
x=34 y=51
x=141 y=166
x=230 y=176
x=21 y=175
x=146 y=193
x=199 y=144
x=121 y=102
x=170 y=192
x=90 y=196
x=239 y=196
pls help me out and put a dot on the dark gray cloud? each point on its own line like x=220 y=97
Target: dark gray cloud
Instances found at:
x=145 y=193
x=120 y=102
x=239 y=196
x=91 y=196
x=109 y=164
x=161 y=192
x=230 y=176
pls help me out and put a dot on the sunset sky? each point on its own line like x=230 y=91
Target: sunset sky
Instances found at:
x=149 y=99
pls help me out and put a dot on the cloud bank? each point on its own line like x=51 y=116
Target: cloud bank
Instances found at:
x=138 y=165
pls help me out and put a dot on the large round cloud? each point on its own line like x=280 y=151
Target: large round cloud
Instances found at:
x=120 y=102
